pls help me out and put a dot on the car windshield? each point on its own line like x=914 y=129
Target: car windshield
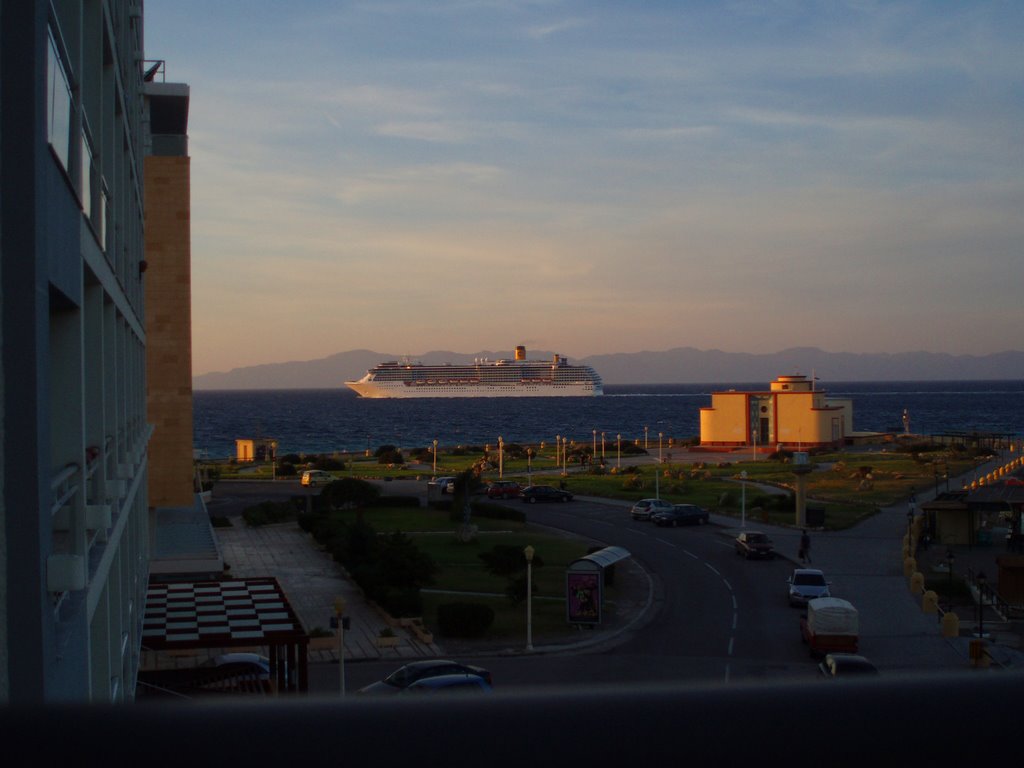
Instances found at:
x=809 y=579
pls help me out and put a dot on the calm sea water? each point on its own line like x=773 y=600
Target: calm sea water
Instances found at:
x=319 y=420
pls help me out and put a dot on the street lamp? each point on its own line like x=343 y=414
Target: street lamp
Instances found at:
x=743 y=504
x=949 y=570
x=529 y=466
x=657 y=472
x=339 y=609
x=602 y=445
x=645 y=438
x=593 y=451
x=501 y=457
x=618 y=451
x=528 y=553
x=435 y=459
x=980 y=581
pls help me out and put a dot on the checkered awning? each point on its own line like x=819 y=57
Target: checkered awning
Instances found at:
x=217 y=614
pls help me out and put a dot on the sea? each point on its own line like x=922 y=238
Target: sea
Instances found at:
x=338 y=420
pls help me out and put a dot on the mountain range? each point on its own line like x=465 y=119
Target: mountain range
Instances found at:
x=682 y=365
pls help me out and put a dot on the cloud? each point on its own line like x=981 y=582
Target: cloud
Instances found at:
x=554 y=28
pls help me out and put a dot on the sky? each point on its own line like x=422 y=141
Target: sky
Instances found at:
x=593 y=177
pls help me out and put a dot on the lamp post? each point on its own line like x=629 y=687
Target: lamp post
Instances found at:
x=618 y=451
x=339 y=610
x=593 y=451
x=602 y=445
x=657 y=472
x=435 y=459
x=980 y=581
x=645 y=438
x=528 y=553
x=529 y=466
x=743 y=503
x=949 y=570
x=501 y=457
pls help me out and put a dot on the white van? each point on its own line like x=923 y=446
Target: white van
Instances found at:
x=312 y=477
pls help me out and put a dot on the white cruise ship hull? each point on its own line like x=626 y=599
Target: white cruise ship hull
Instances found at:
x=401 y=390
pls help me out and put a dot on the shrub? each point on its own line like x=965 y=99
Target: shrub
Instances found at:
x=326 y=463
x=464 y=619
x=286 y=469
x=491 y=511
x=401 y=603
x=269 y=512
x=390 y=502
x=348 y=491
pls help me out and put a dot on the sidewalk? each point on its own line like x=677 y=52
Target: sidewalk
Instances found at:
x=313 y=581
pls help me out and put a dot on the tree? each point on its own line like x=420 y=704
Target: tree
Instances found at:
x=349 y=492
x=466 y=483
x=510 y=562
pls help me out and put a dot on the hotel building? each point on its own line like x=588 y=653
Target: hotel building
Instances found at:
x=75 y=531
x=793 y=414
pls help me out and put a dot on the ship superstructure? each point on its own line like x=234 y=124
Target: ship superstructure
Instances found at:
x=518 y=377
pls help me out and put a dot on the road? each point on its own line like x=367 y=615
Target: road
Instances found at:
x=715 y=616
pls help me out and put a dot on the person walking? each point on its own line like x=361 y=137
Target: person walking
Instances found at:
x=805 y=547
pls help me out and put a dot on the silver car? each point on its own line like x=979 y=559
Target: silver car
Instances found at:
x=644 y=508
x=807 y=584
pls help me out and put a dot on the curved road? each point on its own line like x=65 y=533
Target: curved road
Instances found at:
x=715 y=617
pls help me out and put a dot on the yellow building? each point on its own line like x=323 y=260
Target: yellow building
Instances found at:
x=793 y=414
x=260 y=449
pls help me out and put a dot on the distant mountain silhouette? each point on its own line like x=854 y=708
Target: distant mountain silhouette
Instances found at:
x=682 y=365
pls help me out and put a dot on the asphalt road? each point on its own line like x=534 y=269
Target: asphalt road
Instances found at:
x=715 y=617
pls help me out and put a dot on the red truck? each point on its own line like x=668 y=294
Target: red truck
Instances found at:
x=830 y=626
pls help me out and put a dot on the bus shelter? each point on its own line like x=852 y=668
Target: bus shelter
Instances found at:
x=584 y=584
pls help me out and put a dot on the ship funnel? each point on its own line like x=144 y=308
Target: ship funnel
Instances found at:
x=520 y=352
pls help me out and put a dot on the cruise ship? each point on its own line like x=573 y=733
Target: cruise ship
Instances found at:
x=481 y=378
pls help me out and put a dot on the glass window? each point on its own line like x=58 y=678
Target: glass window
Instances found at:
x=58 y=124
x=85 y=194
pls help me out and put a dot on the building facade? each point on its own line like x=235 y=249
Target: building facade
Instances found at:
x=792 y=413
x=74 y=529
x=168 y=291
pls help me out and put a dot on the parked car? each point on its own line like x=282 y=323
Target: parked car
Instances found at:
x=503 y=489
x=461 y=682
x=680 y=514
x=418 y=671
x=251 y=665
x=644 y=508
x=534 y=493
x=313 y=477
x=752 y=544
x=226 y=674
x=445 y=484
x=846 y=665
x=807 y=584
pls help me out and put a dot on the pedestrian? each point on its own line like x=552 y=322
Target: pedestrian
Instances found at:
x=805 y=547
